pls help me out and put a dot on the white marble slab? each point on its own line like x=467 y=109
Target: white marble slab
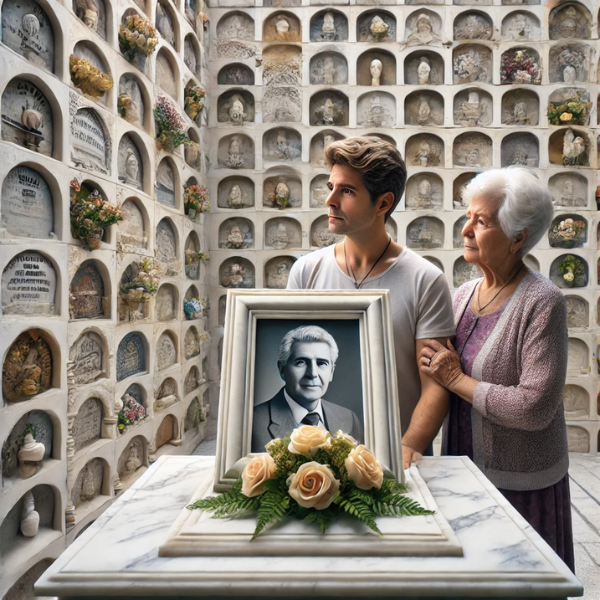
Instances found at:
x=118 y=555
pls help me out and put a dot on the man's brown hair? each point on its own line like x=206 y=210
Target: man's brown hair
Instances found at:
x=379 y=163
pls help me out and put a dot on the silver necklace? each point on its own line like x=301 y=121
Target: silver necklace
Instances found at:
x=349 y=269
x=479 y=307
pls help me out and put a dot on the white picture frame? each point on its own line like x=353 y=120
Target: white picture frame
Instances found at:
x=371 y=309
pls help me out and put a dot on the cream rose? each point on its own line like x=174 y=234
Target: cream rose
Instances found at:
x=313 y=486
x=307 y=439
x=257 y=471
x=364 y=469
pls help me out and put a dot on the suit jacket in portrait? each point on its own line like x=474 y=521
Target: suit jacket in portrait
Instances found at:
x=274 y=419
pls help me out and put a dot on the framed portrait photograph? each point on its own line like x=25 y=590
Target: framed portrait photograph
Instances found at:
x=306 y=357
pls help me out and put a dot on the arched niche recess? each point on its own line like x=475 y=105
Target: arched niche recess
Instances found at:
x=364 y=70
x=376 y=109
x=167 y=302
x=458 y=190
x=570 y=20
x=192 y=380
x=520 y=149
x=192 y=151
x=27 y=117
x=236 y=233
x=167 y=74
x=568 y=230
x=576 y=402
x=191 y=343
x=90 y=140
x=94 y=14
x=569 y=147
x=87 y=424
x=425 y=150
x=424 y=107
x=464 y=271
x=579 y=357
x=88 y=295
x=193 y=417
x=329 y=26
x=319 y=142
x=319 y=192
x=520 y=107
x=236 y=74
x=283 y=233
x=521 y=25
x=132 y=356
x=236 y=107
x=236 y=151
x=567 y=264
x=569 y=189
x=166 y=350
x=425 y=233
x=235 y=25
x=90 y=52
x=92 y=481
x=472 y=150
x=192 y=256
x=130 y=163
x=237 y=272
x=277 y=272
x=19 y=297
x=89 y=357
x=282 y=189
x=376 y=25
x=457 y=237
x=282 y=27
x=570 y=62
x=282 y=144
x=235 y=192
x=191 y=54
x=167 y=182
x=578 y=311
x=132 y=229
x=424 y=67
x=320 y=236
x=133 y=100
x=166 y=395
x=328 y=68
x=473 y=25
x=473 y=108
x=167 y=431
x=27 y=30
x=424 y=191
x=166 y=23
x=521 y=65
x=167 y=247
x=133 y=459
x=472 y=63
x=282 y=65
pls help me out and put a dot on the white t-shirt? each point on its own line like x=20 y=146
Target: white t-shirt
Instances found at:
x=421 y=307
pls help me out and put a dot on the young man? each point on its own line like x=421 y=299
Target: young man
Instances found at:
x=366 y=183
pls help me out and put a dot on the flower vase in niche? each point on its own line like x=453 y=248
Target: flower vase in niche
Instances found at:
x=30 y=518
x=195 y=200
x=569 y=112
x=170 y=126
x=569 y=233
x=131 y=413
x=378 y=28
x=137 y=40
x=574 y=151
x=30 y=455
x=194 y=102
x=376 y=71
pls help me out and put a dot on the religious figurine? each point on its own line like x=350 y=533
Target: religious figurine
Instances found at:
x=424 y=71
x=328 y=27
x=424 y=194
x=284 y=150
x=236 y=111
x=234 y=276
x=30 y=455
x=424 y=111
x=235 y=159
x=235 y=238
x=573 y=149
x=327 y=112
x=472 y=159
x=282 y=27
x=378 y=28
x=30 y=518
x=277 y=277
x=569 y=74
x=234 y=199
x=423 y=33
x=133 y=462
x=282 y=195
x=87 y=11
x=422 y=155
x=376 y=70
x=279 y=238
x=131 y=165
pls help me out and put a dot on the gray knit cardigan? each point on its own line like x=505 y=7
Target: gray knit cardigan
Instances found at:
x=518 y=423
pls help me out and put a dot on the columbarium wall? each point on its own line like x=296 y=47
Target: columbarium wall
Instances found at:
x=103 y=369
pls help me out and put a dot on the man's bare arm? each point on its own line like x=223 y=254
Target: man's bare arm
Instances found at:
x=429 y=414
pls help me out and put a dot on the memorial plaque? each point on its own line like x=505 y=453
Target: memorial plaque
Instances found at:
x=165 y=303
x=87 y=354
x=166 y=354
x=192 y=381
x=165 y=184
x=131 y=101
x=192 y=416
x=131 y=228
x=191 y=343
x=87 y=425
x=88 y=484
x=165 y=77
x=166 y=247
x=86 y=299
x=29 y=285
x=26 y=206
x=166 y=431
x=27 y=117
x=26 y=29
x=89 y=142
x=131 y=356
x=129 y=163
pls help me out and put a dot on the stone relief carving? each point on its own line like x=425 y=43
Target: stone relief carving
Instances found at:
x=424 y=68
x=282 y=66
x=520 y=107
x=569 y=63
x=237 y=273
x=166 y=248
x=281 y=105
x=282 y=192
x=132 y=458
x=236 y=234
x=578 y=439
x=192 y=381
x=130 y=164
x=521 y=26
x=27 y=31
x=166 y=354
x=376 y=109
x=131 y=228
x=87 y=355
x=569 y=22
x=424 y=108
x=320 y=236
x=577 y=311
x=90 y=144
x=520 y=149
x=282 y=145
x=86 y=294
x=236 y=107
x=93 y=14
x=472 y=150
x=329 y=26
x=165 y=303
x=425 y=150
x=277 y=271
x=235 y=192
x=473 y=26
x=472 y=64
x=282 y=233
x=282 y=27
x=191 y=343
x=89 y=482
x=464 y=271
x=328 y=68
x=131 y=356
x=236 y=74
x=424 y=192
x=578 y=356
x=235 y=26
x=166 y=395
x=423 y=29
x=472 y=108
x=569 y=190
x=87 y=425
x=425 y=233
x=576 y=402
x=131 y=102
x=376 y=27
x=236 y=152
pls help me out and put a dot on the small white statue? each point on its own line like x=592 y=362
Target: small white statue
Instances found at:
x=376 y=70
x=425 y=191
x=30 y=518
x=282 y=27
x=424 y=71
x=30 y=455
x=131 y=165
x=235 y=238
x=236 y=111
x=328 y=27
x=573 y=149
x=234 y=199
x=569 y=74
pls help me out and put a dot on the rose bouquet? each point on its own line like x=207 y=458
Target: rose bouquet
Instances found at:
x=314 y=476
x=137 y=36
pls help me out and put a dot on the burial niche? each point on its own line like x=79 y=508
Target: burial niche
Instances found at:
x=235 y=74
x=87 y=298
x=89 y=483
x=235 y=192
x=375 y=68
x=130 y=164
x=29 y=285
x=131 y=228
x=88 y=358
x=569 y=147
x=424 y=191
x=376 y=26
x=166 y=395
x=167 y=431
x=193 y=416
x=191 y=56
x=236 y=234
x=329 y=107
x=192 y=381
x=131 y=356
x=319 y=192
x=569 y=271
x=472 y=63
x=191 y=343
x=87 y=425
x=166 y=303
x=578 y=114
x=521 y=149
x=569 y=62
x=90 y=142
x=165 y=73
x=277 y=272
x=93 y=14
x=473 y=25
x=282 y=27
x=166 y=352
x=521 y=25
x=132 y=458
x=318 y=144
x=283 y=233
x=281 y=104
x=236 y=152
x=425 y=150
x=329 y=26
x=473 y=108
x=569 y=190
x=282 y=66
x=472 y=150
x=425 y=233
x=27 y=31
x=570 y=21
x=376 y=109
x=578 y=439
x=328 y=68
x=165 y=22
x=235 y=107
x=282 y=191
x=27 y=209
x=423 y=29
x=578 y=359
x=576 y=402
x=424 y=108
x=282 y=144
x=131 y=102
x=165 y=183
x=520 y=65
x=520 y=107
x=424 y=68
x=27 y=117
x=568 y=231
x=457 y=238
x=320 y=236
x=236 y=272
x=166 y=248
x=464 y=271
x=235 y=26
x=193 y=256
x=577 y=312
x=89 y=71
x=458 y=190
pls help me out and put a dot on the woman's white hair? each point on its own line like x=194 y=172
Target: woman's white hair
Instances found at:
x=524 y=202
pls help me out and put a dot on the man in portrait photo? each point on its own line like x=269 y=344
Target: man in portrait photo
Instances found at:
x=306 y=362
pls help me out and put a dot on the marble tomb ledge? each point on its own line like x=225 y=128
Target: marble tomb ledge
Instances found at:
x=117 y=557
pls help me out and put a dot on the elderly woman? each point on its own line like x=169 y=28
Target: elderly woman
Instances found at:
x=507 y=373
